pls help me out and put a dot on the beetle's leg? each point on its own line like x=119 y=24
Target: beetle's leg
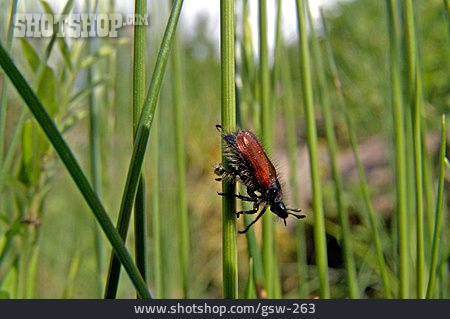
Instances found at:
x=219 y=170
x=251 y=192
x=250 y=211
x=242 y=197
x=256 y=219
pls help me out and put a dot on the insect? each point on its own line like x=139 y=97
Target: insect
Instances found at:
x=249 y=163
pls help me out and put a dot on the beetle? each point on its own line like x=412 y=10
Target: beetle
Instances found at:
x=248 y=163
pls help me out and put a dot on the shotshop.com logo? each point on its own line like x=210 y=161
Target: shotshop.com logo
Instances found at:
x=76 y=25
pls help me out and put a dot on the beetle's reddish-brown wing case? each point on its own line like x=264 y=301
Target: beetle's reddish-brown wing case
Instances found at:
x=253 y=152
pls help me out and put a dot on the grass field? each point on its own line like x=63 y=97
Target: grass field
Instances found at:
x=105 y=138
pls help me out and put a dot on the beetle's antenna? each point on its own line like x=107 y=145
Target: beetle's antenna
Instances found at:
x=294 y=210
x=219 y=128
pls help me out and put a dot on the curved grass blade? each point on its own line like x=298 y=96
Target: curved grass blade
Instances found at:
x=142 y=134
x=73 y=168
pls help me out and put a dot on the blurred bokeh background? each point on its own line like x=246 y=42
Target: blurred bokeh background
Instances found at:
x=48 y=229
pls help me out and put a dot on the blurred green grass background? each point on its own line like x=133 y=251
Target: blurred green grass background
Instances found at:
x=66 y=258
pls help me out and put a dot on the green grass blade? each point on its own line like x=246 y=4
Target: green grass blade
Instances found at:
x=255 y=255
x=4 y=86
x=250 y=290
x=291 y=140
x=229 y=249
x=73 y=168
x=266 y=136
x=428 y=178
x=345 y=240
x=180 y=169
x=415 y=93
x=139 y=56
x=276 y=69
x=156 y=224
x=319 y=219
x=399 y=147
x=439 y=214
x=244 y=100
x=139 y=51
x=272 y=107
x=374 y=224
x=74 y=268
x=95 y=160
x=140 y=229
x=140 y=144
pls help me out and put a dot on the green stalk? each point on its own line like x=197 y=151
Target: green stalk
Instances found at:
x=181 y=169
x=4 y=95
x=273 y=99
x=443 y=274
x=428 y=178
x=399 y=146
x=363 y=180
x=156 y=225
x=277 y=53
x=244 y=87
x=277 y=289
x=229 y=250
x=324 y=99
x=255 y=256
x=140 y=229
x=95 y=165
x=291 y=139
x=439 y=214
x=443 y=266
x=415 y=91
x=410 y=187
x=319 y=218
x=266 y=135
x=140 y=145
x=73 y=168
x=266 y=114
x=250 y=291
x=168 y=203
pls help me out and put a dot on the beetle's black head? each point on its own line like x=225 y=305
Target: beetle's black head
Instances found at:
x=279 y=209
x=274 y=198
